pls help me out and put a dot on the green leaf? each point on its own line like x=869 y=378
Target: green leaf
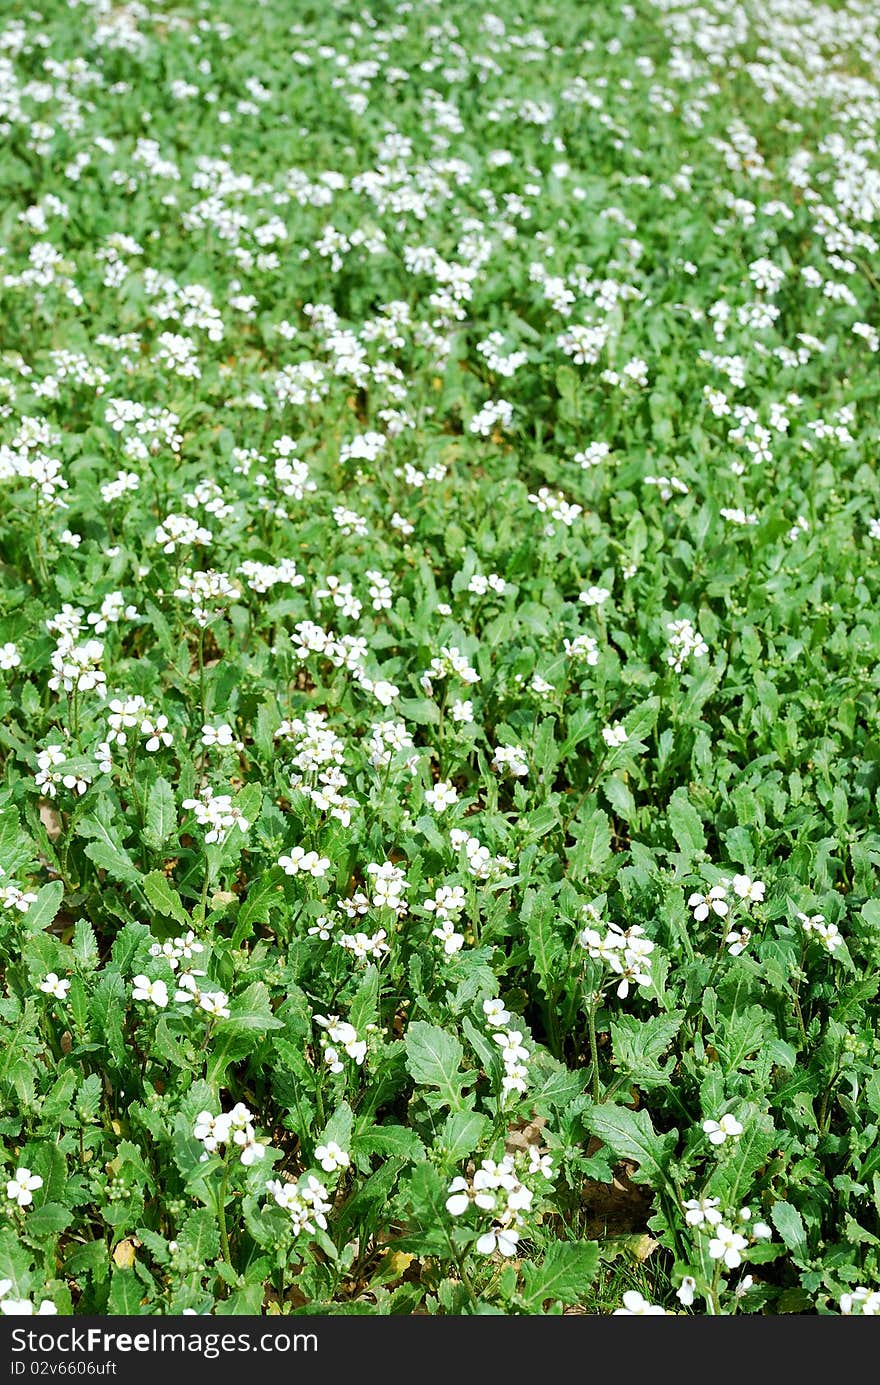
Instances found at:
x=545 y=945
x=685 y=824
x=433 y=1059
x=126 y=1294
x=50 y=1218
x=200 y=1236
x=85 y=945
x=116 y=862
x=14 y=1264
x=789 y=1224
x=593 y=841
x=565 y=1276
x=630 y=1135
x=251 y=1012
x=390 y=1140
x=160 y=818
x=164 y=898
x=45 y=907
x=462 y=1134
x=638 y=1045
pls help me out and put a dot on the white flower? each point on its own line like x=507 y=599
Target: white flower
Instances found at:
x=829 y=934
x=459 y=1200
x=442 y=796
x=156 y=992
x=594 y=596
x=22 y=1187
x=462 y=711
x=214 y=1003
x=157 y=733
x=737 y=940
x=452 y=942
x=700 y=1210
x=750 y=890
x=221 y=735
x=614 y=735
x=501 y=1238
x=301 y=862
x=726 y=1246
x=495 y=1012
x=511 y=758
x=685 y=1291
x=635 y=1306
x=9 y=655
x=251 y=1148
x=715 y=901
x=332 y=1157
x=725 y=1128
x=53 y=985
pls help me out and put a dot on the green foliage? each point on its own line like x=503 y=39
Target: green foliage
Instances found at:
x=439 y=755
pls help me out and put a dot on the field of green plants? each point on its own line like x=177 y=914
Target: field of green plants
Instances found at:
x=439 y=657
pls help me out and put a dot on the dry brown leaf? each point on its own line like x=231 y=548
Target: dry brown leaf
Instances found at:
x=51 y=820
x=398 y=1262
x=124 y=1253
x=524 y=1135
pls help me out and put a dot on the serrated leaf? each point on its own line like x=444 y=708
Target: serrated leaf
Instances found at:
x=126 y=1293
x=433 y=1059
x=685 y=824
x=568 y=1270
x=160 y=816
x=630 y=1135
x=593 y=841
x=42 y=912
x=85 y=945
x=163 y=897
x=251 y=1012
x=789 y=1224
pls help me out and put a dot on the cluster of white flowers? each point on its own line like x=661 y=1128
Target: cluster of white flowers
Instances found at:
x=512 y=759
x=51 y=773
x=685 y=642
x=307 y=1202
x=391 y=741
x=450 y=662
x=302 y=862
x=217 y=813
x=828 y=934
x=496 y=1191
x=207 y=592
x=554 y=504
x=583 y=648
x=716 y=900
x=860 y=1302
x=514 y=1054
x=480 y=862
x=726 y=1243
x=236 y=1128
x=339 y=1034
x=447 y=905
x=626 y=954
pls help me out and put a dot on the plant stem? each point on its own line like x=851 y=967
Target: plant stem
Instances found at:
x=221 y=1216
x=594 y=1051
